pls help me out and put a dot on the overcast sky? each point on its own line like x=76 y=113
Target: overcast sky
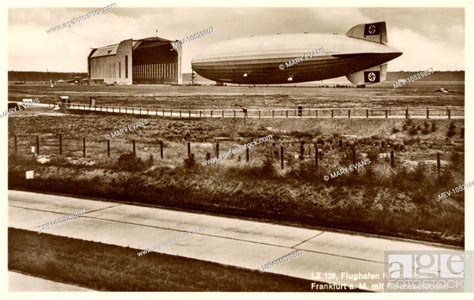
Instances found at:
x=428 y=38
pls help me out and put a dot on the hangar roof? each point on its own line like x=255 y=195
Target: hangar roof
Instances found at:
x=105 y=51
x=112 y=49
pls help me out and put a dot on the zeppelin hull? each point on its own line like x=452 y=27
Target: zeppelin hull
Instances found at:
x=271 y=59
x=276 y=71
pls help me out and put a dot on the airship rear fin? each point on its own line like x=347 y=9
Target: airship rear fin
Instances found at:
x=375 y=32
x=369 y=76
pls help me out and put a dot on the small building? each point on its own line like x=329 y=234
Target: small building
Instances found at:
x=146 y=61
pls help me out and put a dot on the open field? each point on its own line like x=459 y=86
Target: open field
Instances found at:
x=111 y=268
x=376 y=199
x=391 y=196
x=417 y=94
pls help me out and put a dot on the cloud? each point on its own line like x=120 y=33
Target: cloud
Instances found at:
x=433 y=37
x=421 y=52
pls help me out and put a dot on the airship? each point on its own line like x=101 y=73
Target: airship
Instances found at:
x=361 y=55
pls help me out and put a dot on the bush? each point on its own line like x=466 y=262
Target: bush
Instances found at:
x=190 y=162
x=407 y=124
x=129 y=162
x=413 y=131
x=457 y=159
x=267 y=168
x=426 y=128
x=451 y=130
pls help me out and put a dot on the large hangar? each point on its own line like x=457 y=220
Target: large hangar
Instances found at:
x=146 y=61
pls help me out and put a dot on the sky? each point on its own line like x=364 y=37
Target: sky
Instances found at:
x=428 y=37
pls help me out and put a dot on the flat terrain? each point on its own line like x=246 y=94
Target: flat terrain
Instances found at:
x=399 y=193
x=417 y=94
x=111 y=268
x=246 y=244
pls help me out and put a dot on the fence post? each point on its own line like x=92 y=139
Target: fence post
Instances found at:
x=217 y=149
x=133 y=144
x=367 y=113
x=406 y=113
x=332 y=113
x=189 y=150
x=273 y=113
x=171 y=113
x=349 y=113
x=281 y=157
x=83 y=147
x=392 y=159
x=386 y=113
x=60 y=144
x=427 y=113
x=247 y=154
x=16 y=144
x=37 y=145
x=161 y=149
x=438 y=161
x=449 y=114
x=287 y=113
x=259 y=114
x=199 y=114
x=189 y=113
x=108 y=148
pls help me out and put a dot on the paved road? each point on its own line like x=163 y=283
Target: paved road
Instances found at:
x=18 y=282
x=327 y=256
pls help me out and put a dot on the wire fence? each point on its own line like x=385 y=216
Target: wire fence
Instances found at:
x=324 y=113
x=283 y=151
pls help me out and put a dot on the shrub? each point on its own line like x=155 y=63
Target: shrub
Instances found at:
x=407 y=124
x=426 y=128
x=267 y=168
x=413 y=131
x=190 y=162
x=457 y=159
x=130 y=162
x=451 y=130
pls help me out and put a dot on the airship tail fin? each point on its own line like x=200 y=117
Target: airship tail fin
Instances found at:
x=375 y=32
x=369 y=76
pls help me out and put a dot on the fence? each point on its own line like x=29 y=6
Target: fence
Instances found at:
x=284 y=151
x=324 y=113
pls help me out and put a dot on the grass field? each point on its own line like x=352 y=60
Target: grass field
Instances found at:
x=397 y=200
x=417 y=94
x=111 y=268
